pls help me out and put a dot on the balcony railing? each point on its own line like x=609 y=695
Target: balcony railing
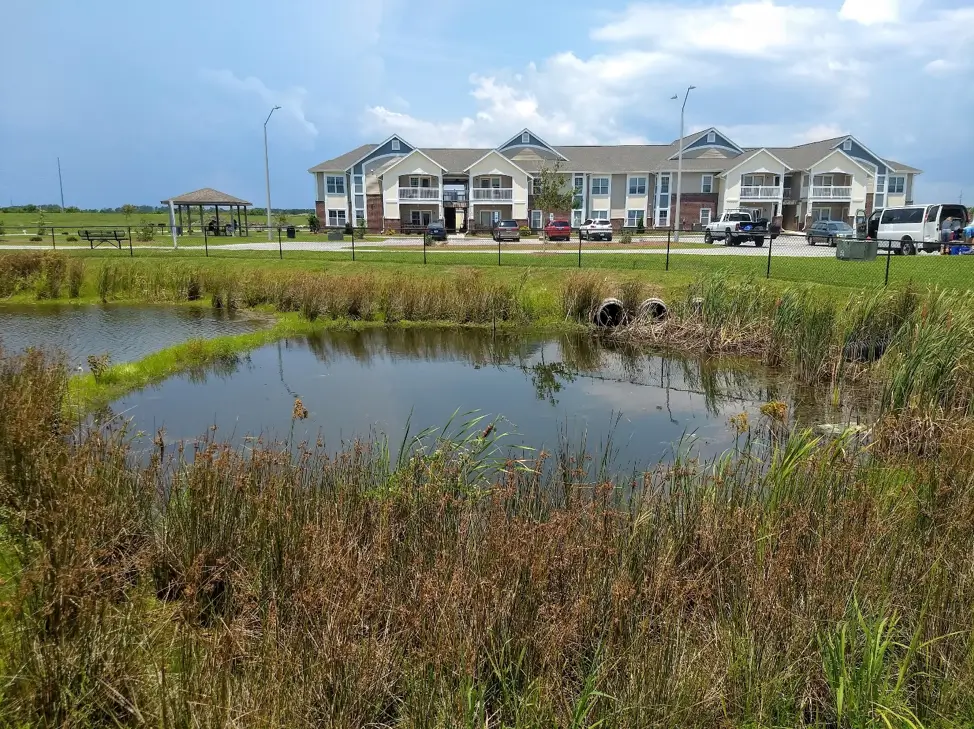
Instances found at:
x=758 y=192
x=419 y=193
x=455 y=196
x=493 y=193
x=832 y=192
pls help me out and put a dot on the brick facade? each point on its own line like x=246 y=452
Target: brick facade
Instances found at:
x=321 y=213
x=690 y=205
x=373 y=212
x=869 y=204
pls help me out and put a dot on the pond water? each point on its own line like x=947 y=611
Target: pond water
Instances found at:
x=127 y=333
x=551 y=392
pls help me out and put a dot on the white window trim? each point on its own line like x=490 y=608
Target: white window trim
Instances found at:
x=890 y=184
x=536 y=219
x=525 y=138
x=599 y=215
x=709 y=216
x=847 y=145
x=419 y=214
x=338 y=212
x=711 y=138
x=608 y=185
x=707 y=178
x=395 y=145
x=338 y=179
x=634 y=218
x=632 y=178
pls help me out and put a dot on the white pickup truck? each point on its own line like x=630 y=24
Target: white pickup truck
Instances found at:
x=596 y=229
x=736 y=226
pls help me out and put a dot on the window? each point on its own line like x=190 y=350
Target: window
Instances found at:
x=902 y=216
x=358 y=183
x=576 y=218
x=579 y=183
x=335 y=185
x=663 y=218
x=897 y=184
x=600 y=185
x=664 y=185
x=536 y=186
x=359 y=216
x=711 y=137
x=395 y=145
x=535 y=219
x=664 y=201
x=420 y=217
x=360 y=201
x=847 y=145
x=707 y=183
x=822 y=214
x=633 y=217
x=637 y=185
x=414 y=182
x=705 y=216
x=336 y=218
x=600 y=215
x=525 y=138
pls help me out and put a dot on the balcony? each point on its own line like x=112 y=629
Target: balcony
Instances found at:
x=455 y=196
x=490 y=194
x=419 y=193
x=760 y=192
x=832 y=192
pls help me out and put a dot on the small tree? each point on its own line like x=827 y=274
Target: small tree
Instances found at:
x=552 y=194
x=146 y=231
x=640 y=225
x=128 y=210
x=314 y=225
x=360 y=229
x=41 y=219
x=281 y=220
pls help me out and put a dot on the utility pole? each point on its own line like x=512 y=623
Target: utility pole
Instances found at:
x=267 y=174
x=679 y=167
x=60 y=183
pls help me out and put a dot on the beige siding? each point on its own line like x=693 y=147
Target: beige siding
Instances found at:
x=497 y=164
x=319 y=185
x=599 y=202
x=618 y=187
x=838 y=163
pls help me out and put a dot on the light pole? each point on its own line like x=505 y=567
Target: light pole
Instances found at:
x=679 y=165
x=267 y=174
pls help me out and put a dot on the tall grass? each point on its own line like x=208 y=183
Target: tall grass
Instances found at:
x=799 y=582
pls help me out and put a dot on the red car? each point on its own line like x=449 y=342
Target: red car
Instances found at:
x=558 y=230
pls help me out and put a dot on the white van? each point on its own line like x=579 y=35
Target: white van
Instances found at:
x=911 y=227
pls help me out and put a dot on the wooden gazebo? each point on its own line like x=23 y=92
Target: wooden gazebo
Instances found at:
x=208 y=197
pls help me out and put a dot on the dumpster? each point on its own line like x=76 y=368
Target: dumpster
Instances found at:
x=290 y=231
x=847 y=249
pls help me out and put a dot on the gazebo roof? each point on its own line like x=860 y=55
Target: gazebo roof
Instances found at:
x=206 y=196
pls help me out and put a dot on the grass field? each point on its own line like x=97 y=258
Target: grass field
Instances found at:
x=18 y=221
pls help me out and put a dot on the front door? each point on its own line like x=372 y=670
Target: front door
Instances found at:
x=450 y=219
x=427 y=217
x=486 y=217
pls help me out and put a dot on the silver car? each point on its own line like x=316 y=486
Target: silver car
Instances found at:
x=828 y=231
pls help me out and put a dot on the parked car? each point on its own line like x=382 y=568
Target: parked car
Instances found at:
x=828 y=231
x=506 y=230
x=910 y=227
x=596 y=229
x=436 y=230
x=736 y=226
x=558 y=230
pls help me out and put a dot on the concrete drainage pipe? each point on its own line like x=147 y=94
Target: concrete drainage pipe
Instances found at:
x=609 y=313
x=653 y=309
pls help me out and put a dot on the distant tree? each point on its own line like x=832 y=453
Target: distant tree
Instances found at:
x=552 y=194
x=30 y=208
x=71 y=209
x=41 y=220
x=128 y=209
x=281 y=220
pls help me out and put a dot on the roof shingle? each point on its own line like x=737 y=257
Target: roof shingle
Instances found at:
x=206 y=196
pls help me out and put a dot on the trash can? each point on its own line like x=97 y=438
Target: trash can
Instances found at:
x=179 y=230
x=290 y=231
x=847 y=249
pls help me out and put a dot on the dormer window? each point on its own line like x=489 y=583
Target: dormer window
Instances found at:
x=525 y=138
x=395 y=145
x=847 y=145
x=711 y=137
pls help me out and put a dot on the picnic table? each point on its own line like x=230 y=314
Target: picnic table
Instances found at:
x=96 y=237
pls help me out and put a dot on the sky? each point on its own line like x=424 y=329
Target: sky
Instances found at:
x=142 y=101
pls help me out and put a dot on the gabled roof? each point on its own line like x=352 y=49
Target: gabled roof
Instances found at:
x=692 y=139
x=751 y=155
x=615 y=158
x=506 y=159
x=900 y=167
x=455 y=159
x=404 y=157
x=848 y=156
x=344 y=161
x=849 y=136
x=377 y=146
x=206 y=196
x=520 y=134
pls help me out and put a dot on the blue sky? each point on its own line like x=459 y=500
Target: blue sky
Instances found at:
x=174 y=96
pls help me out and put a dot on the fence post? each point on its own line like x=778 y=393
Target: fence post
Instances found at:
x=280 y=246
x=668 y=236
x=770 y=241
x=53 y=239
x=424 y=247
x=206 y=245
x=498 y=250
x=353 y=243
x=889 y=252
x=579 y=247
x=131 y=254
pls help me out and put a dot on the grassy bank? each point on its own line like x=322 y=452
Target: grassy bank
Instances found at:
x=796 y=582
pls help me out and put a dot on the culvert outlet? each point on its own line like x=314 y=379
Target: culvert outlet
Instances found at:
x=653 y=310
x=609 y=313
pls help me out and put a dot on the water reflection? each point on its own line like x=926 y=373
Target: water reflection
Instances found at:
x=550 y=389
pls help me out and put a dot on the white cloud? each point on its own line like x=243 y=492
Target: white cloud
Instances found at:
x=941 y=67
x=875 y=12
x=293 y=101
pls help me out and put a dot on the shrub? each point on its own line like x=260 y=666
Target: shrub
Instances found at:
x=146 y=231
x=640 y=225
x=76 y=275
x=525 y=230
x=99 y=364
x=314 y=225
x=71 y=239
x=626 y=237
x=35 y=239
x=360 y=229
x=2 y=229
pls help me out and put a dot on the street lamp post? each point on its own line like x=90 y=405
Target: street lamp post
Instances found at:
x=267 y=175
x=679 y=166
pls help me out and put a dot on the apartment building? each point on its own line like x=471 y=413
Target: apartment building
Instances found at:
x=397 y=186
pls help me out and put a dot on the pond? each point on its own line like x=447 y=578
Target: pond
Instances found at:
x=554 y=392
x=127 y=333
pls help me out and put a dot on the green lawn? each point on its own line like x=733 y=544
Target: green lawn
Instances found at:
x=14 y=222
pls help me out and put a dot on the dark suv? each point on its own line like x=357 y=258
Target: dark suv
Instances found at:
x=507 y=230
x=436 y=230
